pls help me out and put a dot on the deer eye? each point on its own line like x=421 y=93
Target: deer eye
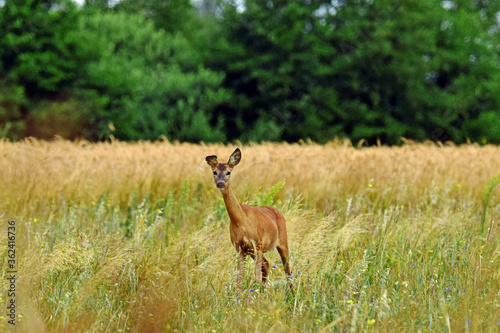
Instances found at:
x=227 y=174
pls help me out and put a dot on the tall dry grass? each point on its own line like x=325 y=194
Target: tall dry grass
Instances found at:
x=35 y=170
x=134 y=237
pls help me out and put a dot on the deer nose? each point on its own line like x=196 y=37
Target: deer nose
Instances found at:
x=221 y=185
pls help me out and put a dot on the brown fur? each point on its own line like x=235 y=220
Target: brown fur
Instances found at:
x=254 y=230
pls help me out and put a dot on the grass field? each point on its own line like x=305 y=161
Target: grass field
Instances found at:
x=134 y=237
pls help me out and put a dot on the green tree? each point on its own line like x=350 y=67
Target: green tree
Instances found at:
x=414 y=68
x=170 y=15
x=36 y=44
x=38 y=68
x=152 y=81
x=276 y=59
x=365 y=69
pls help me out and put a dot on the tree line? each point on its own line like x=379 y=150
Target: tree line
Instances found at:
x=251 y=70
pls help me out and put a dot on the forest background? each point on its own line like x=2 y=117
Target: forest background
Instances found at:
x=218 y=71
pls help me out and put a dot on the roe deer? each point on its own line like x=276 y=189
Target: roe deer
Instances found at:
x=253 y=230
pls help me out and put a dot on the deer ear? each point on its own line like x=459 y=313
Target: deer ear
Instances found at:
x=212 y=160
x=235 y=158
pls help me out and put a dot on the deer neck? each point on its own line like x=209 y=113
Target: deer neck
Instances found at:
x=233 y=207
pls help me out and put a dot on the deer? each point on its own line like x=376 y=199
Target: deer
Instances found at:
x=253 y=230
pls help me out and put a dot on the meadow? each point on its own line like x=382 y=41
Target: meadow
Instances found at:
x=134 y=237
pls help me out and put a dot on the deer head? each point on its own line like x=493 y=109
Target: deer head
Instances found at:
x=222 y=171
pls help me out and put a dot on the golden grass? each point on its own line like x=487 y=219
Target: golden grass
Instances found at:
x=38 y=169
x=134 y=237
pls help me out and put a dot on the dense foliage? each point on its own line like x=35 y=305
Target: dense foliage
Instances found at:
x=269 y=70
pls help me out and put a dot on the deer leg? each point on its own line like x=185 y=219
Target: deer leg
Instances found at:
x=265 y=269
x=241 y=270
x=258 y=264
x=283 y=251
